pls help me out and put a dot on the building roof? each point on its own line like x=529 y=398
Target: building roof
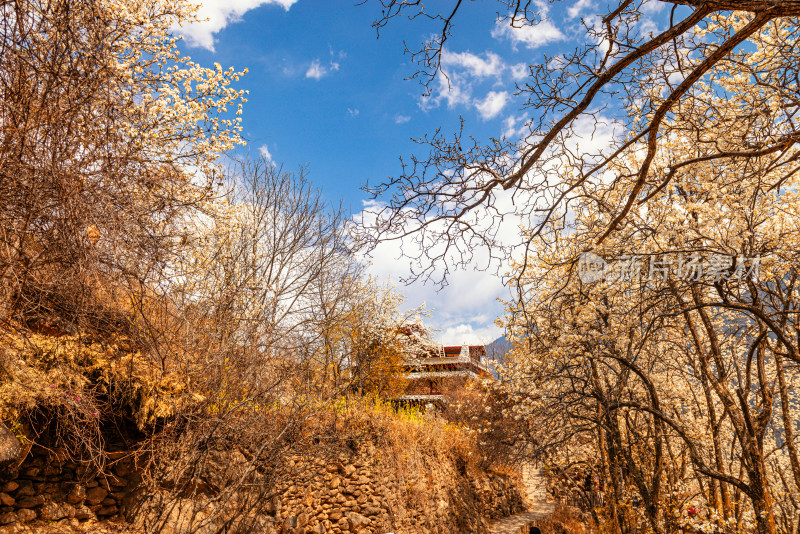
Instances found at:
x=451 y=358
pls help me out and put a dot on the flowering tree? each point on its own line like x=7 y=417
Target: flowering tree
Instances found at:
x=373 y=350
x=108 y=135
x=677 y=360
x=623 y=78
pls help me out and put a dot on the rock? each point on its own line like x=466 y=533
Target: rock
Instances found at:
x=26 y=490
x=183 y=517
x=107 y=510
x=30 y=502
x=217 y=469
x=95 y=495
x=46 y=487
x=83 y=513
x=117 y=482
x=122 y=470
x=6 y=499
x=54 y=511
x=343 y=524
x=291 y=521
x=24 y=515
x=51 y=470
x=108 y=501
x=357 y=522
x=9 y=487
x=302 y=519
x=10 y=446
x=76 y=494
x=8 y=518
x=274 y=506
x=31 y=472
x=335 y=515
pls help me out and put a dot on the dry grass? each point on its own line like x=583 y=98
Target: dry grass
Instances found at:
x=409 y=437
x=61 y=390
x=73 y=371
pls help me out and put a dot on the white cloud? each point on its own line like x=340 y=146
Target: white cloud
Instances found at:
x=516 y=127
x=466 y=308
x=592 y=133
x=401 y=119
x=353 y=112
x=465 y=72
x=264 y=151
x=578 y=7
x=531 y=36
x=493 y=104
x=463 y=311
x=453 y=89
x=519 y=71
x=652 y=7
x=474 y=65
x=214 y=15
x=465 y=333
x=317 y=70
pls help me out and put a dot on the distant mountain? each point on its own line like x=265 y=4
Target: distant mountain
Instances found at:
x=496 y=351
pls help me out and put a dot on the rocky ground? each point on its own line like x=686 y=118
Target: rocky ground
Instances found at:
x=71 y=526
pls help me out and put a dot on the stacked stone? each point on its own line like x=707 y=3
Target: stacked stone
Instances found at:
x=357 y=494
x=365 y=492
x=53 y=488
x=335 y=497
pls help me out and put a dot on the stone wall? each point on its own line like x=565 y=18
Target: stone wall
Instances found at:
x=49 y=487
x=365 y=491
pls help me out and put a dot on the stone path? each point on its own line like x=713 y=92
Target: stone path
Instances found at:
x=535 y=484
x=518 y=524
x=536 y=493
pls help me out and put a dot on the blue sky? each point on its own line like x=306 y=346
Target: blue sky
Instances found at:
x=327 y=94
